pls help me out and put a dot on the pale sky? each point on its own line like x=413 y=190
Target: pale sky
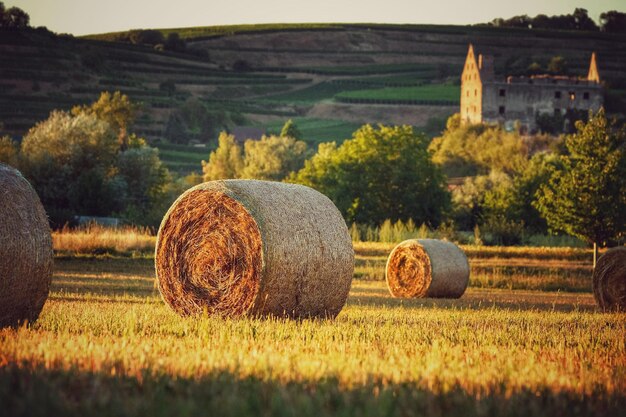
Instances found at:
x=81 y=17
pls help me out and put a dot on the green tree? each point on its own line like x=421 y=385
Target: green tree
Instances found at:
x=290 y=130
x=224 y=162
x=115 y=109
x=381 y=173
x=586 y=196
x=273 y=157
x=144 y=178
x=69 y=161
x=465 y=150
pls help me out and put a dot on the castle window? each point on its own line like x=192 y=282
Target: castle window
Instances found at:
x=557 y=94
x=585 y=96
x=475 y=93
x=502 y=92
x=572 y=95
x=557 y=112
x=501 y=110
x=467 y=93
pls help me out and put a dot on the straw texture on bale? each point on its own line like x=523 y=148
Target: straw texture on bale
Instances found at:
x=609 y=280
x=419 y=268
x=258 y=248
x=25 y=250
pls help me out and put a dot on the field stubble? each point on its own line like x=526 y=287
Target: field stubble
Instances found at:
x=106 y=344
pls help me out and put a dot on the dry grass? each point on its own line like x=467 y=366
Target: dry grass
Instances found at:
x=106 y=344
x=94 y=239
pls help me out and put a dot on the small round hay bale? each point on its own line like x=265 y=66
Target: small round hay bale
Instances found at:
x=25 y=250
x=258 y=248
x=609 y=280
x=427 y=268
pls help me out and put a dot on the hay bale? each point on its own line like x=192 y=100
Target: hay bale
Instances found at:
x=427 y=268
x=258 y=248
x=609 y=280
x=25 y=250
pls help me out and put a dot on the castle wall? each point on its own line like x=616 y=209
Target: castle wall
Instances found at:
x=522 y=98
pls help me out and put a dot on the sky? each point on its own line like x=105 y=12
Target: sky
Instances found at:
x=80 y=17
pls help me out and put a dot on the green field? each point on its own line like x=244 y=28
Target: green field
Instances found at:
x=433 y=92
x=105 y=344
x=315 y=131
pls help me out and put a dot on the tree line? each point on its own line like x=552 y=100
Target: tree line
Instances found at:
x=610 y=22
x=86 y=161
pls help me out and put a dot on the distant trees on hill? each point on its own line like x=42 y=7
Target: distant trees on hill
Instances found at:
x=13 y=17
x=611 y=21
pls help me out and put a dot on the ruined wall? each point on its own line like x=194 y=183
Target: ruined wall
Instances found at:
x=522 y=98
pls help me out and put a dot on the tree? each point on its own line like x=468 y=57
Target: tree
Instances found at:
x=224 y=162
x=586 y=196
x=382 y=172
x=290 y=130
x=273 y=157
x=557 y=65
x=8 y=151
x=145 y=179
x=477 y=149
x=613 y=22
x=69 y=161
x=115 y=109
x=13 y=18
x=174 y=42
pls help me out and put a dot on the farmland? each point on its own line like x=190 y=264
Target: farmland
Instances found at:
x=525 y=338
x=331 y=78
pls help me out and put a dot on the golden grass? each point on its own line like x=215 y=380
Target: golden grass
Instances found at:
x=94 y=239
x=106 y=329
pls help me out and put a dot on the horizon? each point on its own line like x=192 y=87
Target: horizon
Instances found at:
x=73 y=16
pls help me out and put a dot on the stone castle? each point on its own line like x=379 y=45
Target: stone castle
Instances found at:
x=520 y=99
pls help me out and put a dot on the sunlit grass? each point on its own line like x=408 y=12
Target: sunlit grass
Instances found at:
x=94 y=239
x=106 y=343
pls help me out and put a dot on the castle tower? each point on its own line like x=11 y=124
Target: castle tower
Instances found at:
x=594 y=74
x=471 y=89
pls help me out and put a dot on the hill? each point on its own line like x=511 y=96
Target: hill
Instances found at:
x=328 y=78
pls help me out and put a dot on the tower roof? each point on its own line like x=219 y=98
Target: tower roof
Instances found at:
x=594 y=74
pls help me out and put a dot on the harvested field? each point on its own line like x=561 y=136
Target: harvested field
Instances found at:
x=105 y=342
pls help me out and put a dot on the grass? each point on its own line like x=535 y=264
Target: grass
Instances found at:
x=315 y=131
x=98 y=240
x=313 y=94
x=432 y=92
x=105 y=344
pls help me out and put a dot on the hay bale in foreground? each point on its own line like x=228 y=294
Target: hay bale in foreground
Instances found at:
x=259 y=248
x=25 y=250
x=609 y=280
x=427 y=268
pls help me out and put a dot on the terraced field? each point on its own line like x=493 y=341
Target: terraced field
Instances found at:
x=330 y=78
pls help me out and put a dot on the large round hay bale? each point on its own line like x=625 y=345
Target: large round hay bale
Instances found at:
x=25 y=250
x=259 y=248
x=609 y=280
x=418 y=268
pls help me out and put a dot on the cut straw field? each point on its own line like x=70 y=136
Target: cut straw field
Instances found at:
x=106 y=344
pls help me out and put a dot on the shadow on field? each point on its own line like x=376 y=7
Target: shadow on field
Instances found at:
x=28 y=391
x=483 y=300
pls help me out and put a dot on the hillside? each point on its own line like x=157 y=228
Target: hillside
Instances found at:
x=328 y=78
